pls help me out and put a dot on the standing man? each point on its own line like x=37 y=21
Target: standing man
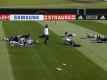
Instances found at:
x=46 y=34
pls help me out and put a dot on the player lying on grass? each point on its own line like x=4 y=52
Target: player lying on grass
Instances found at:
x=98 y=38
x=90 y=35
x=101 y=39
x=21 y=40
x=69 y=40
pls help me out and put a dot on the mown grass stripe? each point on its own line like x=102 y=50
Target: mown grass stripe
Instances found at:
x=5 y=64
x=62 y=4
x=93 y=25
x=102 y=21
x=27 y=66
x=95 y=52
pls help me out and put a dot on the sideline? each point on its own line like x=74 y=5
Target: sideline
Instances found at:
x=5 y=65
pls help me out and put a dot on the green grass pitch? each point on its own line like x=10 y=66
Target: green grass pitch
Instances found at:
x=53 y=4
x=41 y=62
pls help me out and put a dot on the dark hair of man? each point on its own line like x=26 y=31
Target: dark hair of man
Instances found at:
x=66 y=33
x=46 y=26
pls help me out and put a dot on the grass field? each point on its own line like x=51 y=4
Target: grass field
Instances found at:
x=5 y=67
x=40 y=62
x=53 y=4
x=88 y=48
x=29 y=3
